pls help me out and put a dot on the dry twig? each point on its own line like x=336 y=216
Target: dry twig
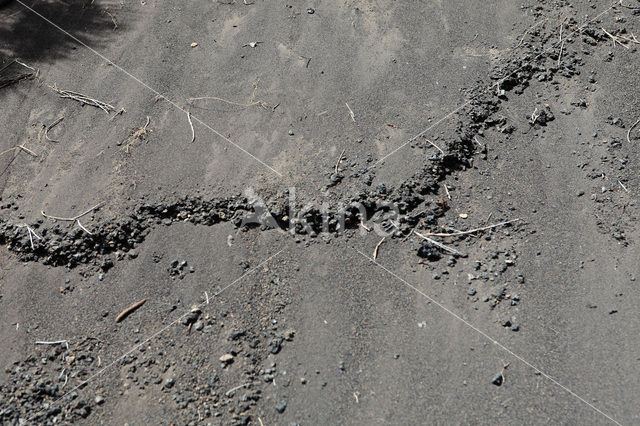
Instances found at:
x=131 y=309
x=623 y=187
x=561 y=42
x=630 y=129
x=353 y=116
x=339 y=161
x=375 y=250
x=137 y=135
x=22 y=147
x=8 y=81
x=193 y=132
x=616 y=39
x=75 y=219
x=16 y=78
x=84 y=99
x=31 y=233
x=113 y=19
x=447 y=191
x=51 y=126
x=527 y=31
x=55 y=342
x=435 y=146
x=440 y=245
x=471 y=231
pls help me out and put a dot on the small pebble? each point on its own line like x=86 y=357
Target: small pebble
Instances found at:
x=281 y=407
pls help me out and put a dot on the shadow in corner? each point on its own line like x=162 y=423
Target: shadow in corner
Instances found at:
x=25 y=35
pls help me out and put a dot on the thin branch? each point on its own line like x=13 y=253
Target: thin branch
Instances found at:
x=527 y=31
x=616 y=39
x=353 y=116
x=27 y=150
x=56 y=342
x=215 y=98
x=74 y=218
x=440 y=245
x=435 y=146
x=51 y=126
x=447 y=191
x=113 y=19
x=84 y=99
x=623 y=187
x=82 y=227
x=471 y=231
x=630 y=129
x=251 y=102
x=339 y=161
x=193 y=132
x=131 y=309
x=31 y=233
x=561 y=43
x=238 y=387
x=375 y=251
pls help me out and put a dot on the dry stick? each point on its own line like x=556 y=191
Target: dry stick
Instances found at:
x=255 y=90
x=353 y=116
x=113 y=19
x=82 y=227
x=215 y=98
x=561 y=43
x=22 y=147
x=56 y=342
x=244 y=385
x=137 y=135
x=251 y=102
x=447 y=191
x=436 y=146
x=84 y=99
x=623 y=187
x=440 y=245
x=630 y=129
x=615 y=39
x=454 y=234
x=193 y=132
x=32 y=234
x=131 y=309
x=27 y=150
x=16 y=147
x=75 y=218
x=339 y=161
x=14 y=79
x=527 y=31
x=375 y=251
x=8 y=65
x=366 y=228
x=51 y=126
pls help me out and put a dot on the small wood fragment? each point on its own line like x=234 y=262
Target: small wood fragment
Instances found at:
x=131 y=309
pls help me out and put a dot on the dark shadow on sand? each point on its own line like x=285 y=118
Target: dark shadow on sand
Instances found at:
x=29 y=37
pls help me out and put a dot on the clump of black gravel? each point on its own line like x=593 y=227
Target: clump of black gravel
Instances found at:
x=536 y=57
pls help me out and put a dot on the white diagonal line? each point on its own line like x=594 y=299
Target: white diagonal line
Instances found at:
x=149 y=87
x=163 y=329
x=468 y=101
x=491 y=339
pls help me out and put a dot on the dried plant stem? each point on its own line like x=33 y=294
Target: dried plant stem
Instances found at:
x=471 y=231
